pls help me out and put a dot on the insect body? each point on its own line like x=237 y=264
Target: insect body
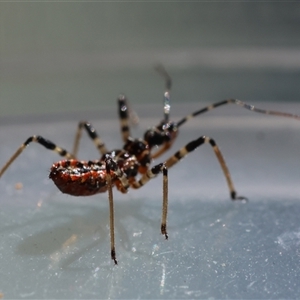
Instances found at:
x=130 y=167
x=79 y=178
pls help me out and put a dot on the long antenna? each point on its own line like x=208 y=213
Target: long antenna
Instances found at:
x=168 y=83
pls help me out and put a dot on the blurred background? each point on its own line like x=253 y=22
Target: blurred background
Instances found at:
x=78 y=56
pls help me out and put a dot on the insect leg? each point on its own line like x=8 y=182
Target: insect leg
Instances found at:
x=92 y=134
x=122 y=185
x=151 y=173
x=263 y=111
x=195 y=144
x=239 y=103
x=37 y=139
x=165 y=203
x=124 y=117
x=111 y=211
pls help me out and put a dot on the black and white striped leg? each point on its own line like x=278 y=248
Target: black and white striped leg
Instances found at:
x=40 y=140
x=124 y=117
x=92 y=134
x=151 y=173
x=195 y=144
x=239 y=103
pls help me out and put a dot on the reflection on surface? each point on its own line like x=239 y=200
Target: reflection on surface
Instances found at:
x=216 y=248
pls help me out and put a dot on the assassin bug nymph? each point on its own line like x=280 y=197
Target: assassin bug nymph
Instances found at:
x=130 y=167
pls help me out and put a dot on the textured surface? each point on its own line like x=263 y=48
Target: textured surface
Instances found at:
x=57 y=246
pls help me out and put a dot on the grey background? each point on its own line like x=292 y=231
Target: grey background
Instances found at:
x=78 y=56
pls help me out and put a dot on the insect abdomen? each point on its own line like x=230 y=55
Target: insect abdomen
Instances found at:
x=79 y=178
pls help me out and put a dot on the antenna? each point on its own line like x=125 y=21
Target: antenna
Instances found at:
x=168 y=83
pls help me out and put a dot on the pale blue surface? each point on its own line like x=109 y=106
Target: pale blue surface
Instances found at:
x=57 y=246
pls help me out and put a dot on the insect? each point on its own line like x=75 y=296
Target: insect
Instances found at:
x=130 y=167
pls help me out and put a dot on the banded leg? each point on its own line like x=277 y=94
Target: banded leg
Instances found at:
x=151 y=173
x=92 y=134
x=124 y=117
x=239 y=103
x=111 y=214
x=195 y=144
x=42 y=141
x=112 y=168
